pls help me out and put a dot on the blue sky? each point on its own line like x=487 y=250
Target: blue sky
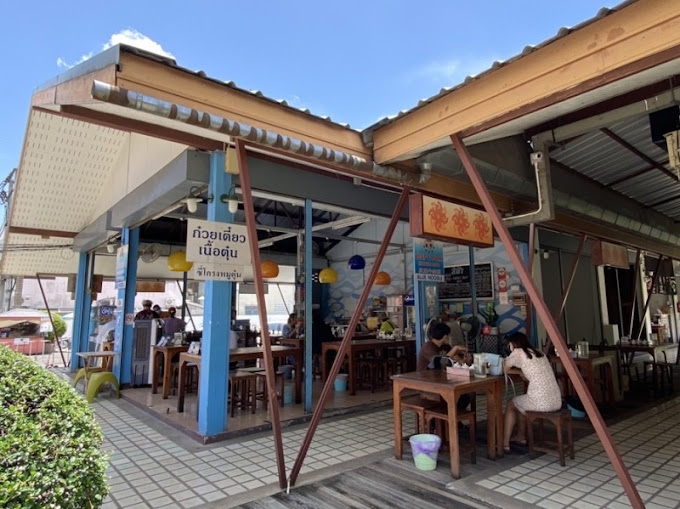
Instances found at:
x=355 y=61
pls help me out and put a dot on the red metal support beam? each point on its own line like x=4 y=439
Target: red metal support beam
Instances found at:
x=321 y=404
x=532 y=249
x=633 y=300
x=550 y=325
x=655 y=278
x=249 y=209
x=57 y=339
x=567 y=289
x=638 y=153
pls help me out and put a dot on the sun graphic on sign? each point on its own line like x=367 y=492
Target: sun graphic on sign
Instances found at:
x=428 y=245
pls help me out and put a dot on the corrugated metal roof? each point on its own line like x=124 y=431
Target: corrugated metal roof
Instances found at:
x=170 y=62
x=562 y=32
x=602 y=158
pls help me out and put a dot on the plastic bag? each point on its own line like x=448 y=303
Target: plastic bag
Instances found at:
x=495 y=363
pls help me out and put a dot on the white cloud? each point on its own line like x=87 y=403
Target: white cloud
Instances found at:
x=128 y=36
x=450 y=73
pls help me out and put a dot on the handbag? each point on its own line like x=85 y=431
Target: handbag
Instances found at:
x=495 y=363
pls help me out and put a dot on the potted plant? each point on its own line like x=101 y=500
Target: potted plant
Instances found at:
x=491 y=318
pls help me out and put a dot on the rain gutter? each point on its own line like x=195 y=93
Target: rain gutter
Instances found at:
x=145 y=103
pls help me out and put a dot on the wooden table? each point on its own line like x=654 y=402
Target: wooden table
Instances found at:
x=437 y=382
x=628 y=350
x=294 y=342
x=365 y=345
x=88 y=357
x=168 y=353
x=243 y=354
x=605 y=362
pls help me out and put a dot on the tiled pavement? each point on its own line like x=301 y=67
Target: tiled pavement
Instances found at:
x=153 y=465
x=150 y=467
x=649 y=443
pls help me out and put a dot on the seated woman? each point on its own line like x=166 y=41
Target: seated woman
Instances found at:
x=289 y=326
x=543 y=393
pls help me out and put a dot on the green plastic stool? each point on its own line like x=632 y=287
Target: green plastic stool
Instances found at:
x=84 y=373
x=97 y=380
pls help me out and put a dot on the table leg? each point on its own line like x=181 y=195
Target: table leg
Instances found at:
x=398 y=443
x=453 y=437
x=351 y=374
x=498 y=403
x=609 y=373
x=180 y=389
x=167 y=371
x=324 y=364
x=298 y=377
x=491 y=422
x=154 y=378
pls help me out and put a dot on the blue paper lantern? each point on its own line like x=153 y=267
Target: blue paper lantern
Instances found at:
x=356 y=262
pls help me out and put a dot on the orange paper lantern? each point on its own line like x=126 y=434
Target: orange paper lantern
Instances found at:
x=382 y=278
x=270 y=269
x=177 y=262
x=328 y=275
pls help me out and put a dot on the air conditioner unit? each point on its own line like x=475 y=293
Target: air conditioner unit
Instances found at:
x=673 y=145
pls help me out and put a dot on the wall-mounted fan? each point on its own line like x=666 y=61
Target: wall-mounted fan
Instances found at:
x=151 y=253
x=472 y=328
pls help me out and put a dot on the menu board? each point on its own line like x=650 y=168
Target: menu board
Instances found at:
x=457 y=286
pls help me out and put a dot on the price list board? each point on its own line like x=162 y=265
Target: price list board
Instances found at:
x=457 y=283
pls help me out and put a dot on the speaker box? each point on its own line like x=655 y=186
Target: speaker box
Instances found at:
x=663 y=122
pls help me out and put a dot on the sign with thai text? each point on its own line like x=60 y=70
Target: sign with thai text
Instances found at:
x=121 y=266
x=216 y=243
x=433 y=218
x=428 y=257
x=215 y=272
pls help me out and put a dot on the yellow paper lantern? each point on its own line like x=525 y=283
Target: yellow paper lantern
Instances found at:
x=382 y=278
x=270 y=269
x=328 y=275
x=177 y=262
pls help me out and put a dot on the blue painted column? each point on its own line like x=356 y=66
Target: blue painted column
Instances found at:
x=125 y=305
x=214 y=376
x=309 y=374
x=81 y=311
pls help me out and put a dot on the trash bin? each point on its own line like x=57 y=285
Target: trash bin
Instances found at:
x=341 y=382
x=287 y=371
x=425 y=448
x=288 y=394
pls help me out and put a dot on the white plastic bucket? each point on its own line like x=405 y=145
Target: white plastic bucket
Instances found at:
x=425 y=448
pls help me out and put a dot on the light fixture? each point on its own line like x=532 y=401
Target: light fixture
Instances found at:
x=328 y=275
x=231 y=199
x=349 y=221
x=265 y=243
x=177 y=262
x=382 y=278
x=111 y=246
x=192 y=200
x=270 y=269
x=356 y=262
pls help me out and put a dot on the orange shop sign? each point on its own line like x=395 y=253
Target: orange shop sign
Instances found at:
x=433 y=218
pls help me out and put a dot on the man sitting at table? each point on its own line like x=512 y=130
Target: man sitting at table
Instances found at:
x=437 y=353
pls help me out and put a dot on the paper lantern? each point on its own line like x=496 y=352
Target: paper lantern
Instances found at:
x=356 y=262
x=328 y=275
x=177 y=262
x=270 y=269
x=382 y=278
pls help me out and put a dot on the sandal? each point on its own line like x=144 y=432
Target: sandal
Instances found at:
x=520 y=443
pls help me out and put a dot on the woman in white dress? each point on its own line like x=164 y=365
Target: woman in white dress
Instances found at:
x=543 y=393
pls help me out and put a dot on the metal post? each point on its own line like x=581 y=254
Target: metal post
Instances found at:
x=249 y=209
x=81 y=314
x=49 y=313
x=473 y=290
x=321 y=404
x=184 y=302
x=309 y=372
x=530 y=265
x=655 y=278
x=124 y=334
x=550 y=324
x=633 y=300
x=567 y=289
x=214 y=379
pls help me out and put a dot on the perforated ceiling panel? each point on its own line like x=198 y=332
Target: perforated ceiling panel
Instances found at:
x=63 y=169
x=27 y=255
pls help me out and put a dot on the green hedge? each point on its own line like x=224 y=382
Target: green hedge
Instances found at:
x=50 y=443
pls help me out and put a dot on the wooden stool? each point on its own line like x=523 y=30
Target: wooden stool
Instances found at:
x=659 y=369
x=419 y=406
x=280 y=378
x=441 y=416
x=561 y=419
x=243 y=390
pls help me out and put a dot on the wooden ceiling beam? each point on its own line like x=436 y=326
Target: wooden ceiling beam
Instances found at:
x=42 y=232
x=605 y=51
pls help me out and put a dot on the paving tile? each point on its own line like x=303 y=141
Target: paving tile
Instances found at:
x=195 y=502
x=550 y=504
x=663 y=501
x=527 y=497
x=128 y=501
x=233 y=490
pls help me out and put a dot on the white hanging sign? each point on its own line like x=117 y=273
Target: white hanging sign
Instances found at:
x=214 y=272
x=216 y=243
